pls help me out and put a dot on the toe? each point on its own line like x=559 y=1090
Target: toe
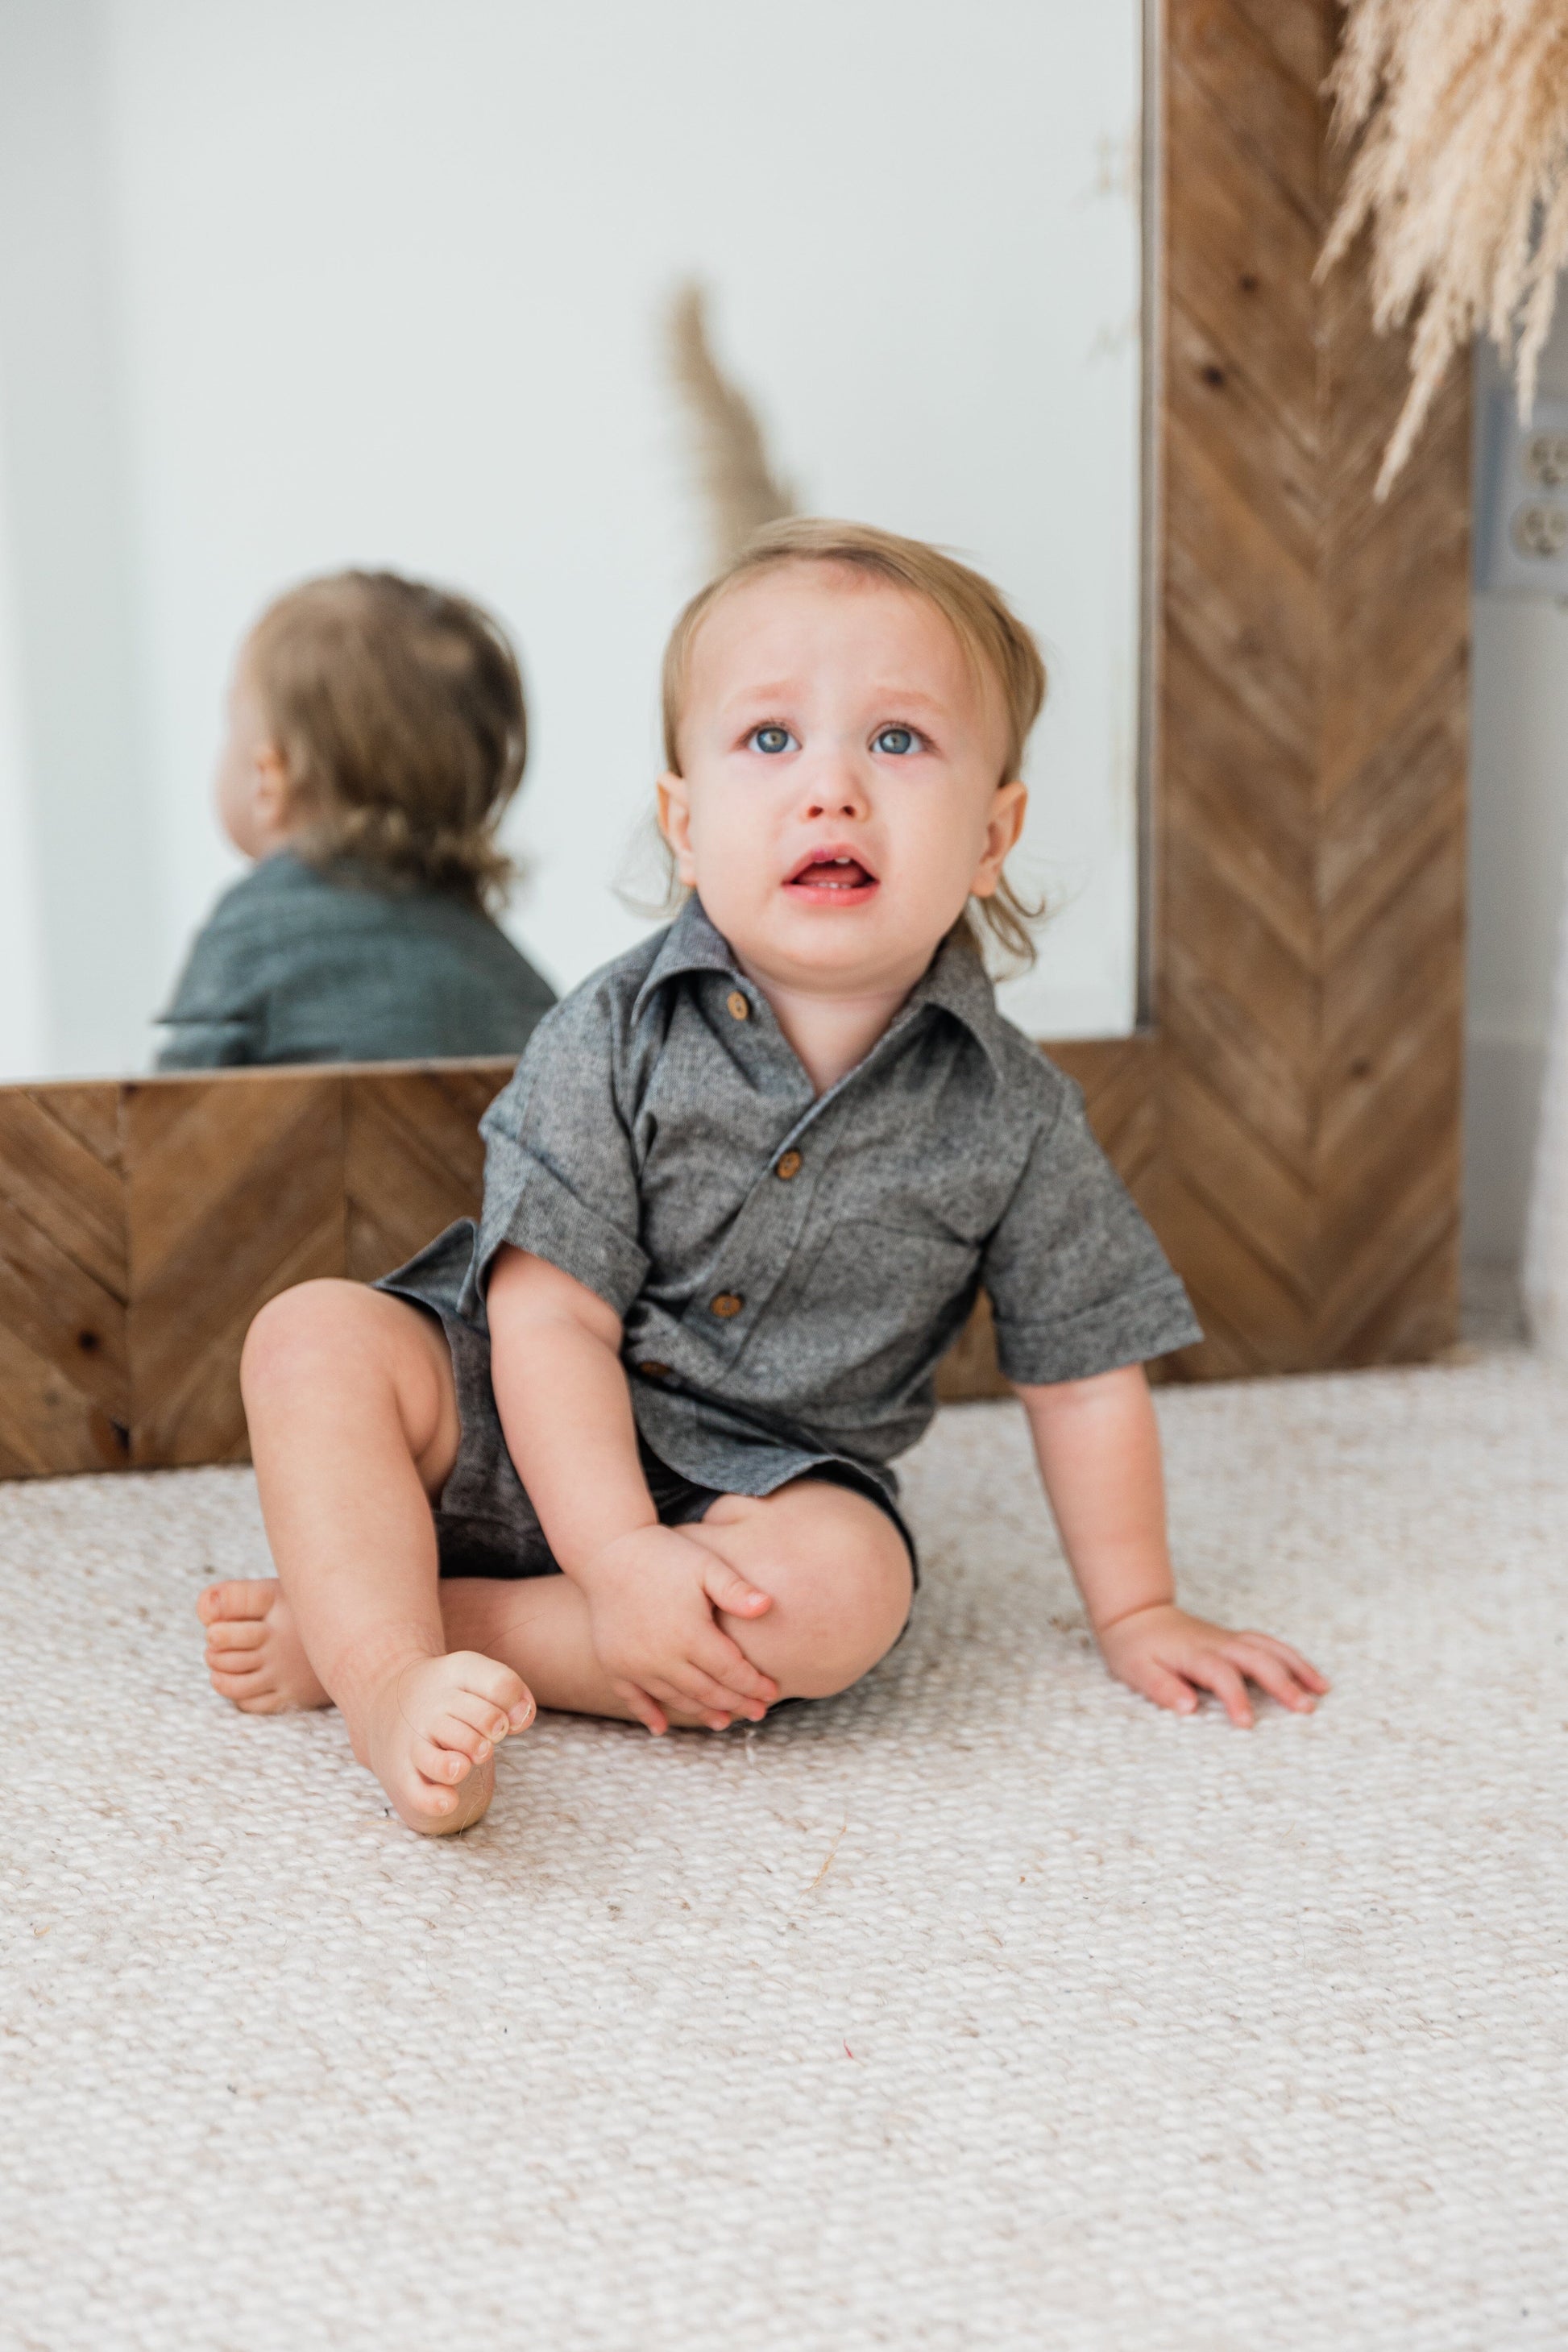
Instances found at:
x=441 y=1766
x=425 y=1806
x=486 y=1679
x=237 y=1633
x=450 y=1731
x=221 y=1660
x=479 y=1716
x=437 y=1812
x=240 y=1597
x=254 y=1694
x=231 y=1685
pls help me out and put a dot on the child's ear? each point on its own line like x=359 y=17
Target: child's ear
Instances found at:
x=274 y=799
x=1003 y=827
x=675 y=823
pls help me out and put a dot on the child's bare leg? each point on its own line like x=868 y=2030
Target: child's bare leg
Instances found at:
x=354 y=1425
x=835 y=1565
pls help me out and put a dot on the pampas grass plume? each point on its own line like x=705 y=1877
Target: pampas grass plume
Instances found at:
x=740 y=489
x=1459 y=110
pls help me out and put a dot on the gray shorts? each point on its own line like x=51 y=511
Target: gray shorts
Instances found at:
x=485 y=1524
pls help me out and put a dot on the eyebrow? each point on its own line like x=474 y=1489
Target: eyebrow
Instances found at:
x=787 y=689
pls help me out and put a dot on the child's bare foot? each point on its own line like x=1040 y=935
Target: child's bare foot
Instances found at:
x=429 y=1731
x=255 y=1656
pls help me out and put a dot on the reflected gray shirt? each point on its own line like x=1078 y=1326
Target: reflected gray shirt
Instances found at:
x=789 y=1267
x=303 y=963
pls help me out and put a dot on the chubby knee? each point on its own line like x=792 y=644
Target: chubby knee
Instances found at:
x=839 y=1575
x=297 y=1328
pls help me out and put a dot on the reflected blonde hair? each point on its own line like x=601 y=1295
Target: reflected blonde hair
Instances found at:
x=398 y=713
x=998 y=648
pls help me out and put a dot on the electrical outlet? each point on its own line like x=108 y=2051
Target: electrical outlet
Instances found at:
x=1546 y=459
x=1522 y=517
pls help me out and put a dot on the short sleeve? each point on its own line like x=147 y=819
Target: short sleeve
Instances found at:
x=560 y=1171
x=1078 y=1283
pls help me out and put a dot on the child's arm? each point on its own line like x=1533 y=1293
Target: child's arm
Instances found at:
x=566 y=1414
x=1097 y=1444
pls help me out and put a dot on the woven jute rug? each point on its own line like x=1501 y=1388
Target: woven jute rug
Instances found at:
x=984 y=2007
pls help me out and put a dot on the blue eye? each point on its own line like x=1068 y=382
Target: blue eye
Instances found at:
x=897 y=740
x=773 y=740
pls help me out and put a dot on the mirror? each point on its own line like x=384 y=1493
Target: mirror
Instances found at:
x=291 y=287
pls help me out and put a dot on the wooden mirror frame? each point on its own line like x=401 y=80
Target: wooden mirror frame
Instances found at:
x=1289 y=1116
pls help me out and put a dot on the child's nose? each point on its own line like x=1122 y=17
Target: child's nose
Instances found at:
x=835 y=788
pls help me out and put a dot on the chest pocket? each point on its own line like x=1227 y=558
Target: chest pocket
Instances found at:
x=879 y=1307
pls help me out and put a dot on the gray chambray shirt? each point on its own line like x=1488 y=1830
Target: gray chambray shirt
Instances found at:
x=789 y=1267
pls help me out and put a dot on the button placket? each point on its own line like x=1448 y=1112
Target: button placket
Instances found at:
x=766 y=1234
x=763 y=1238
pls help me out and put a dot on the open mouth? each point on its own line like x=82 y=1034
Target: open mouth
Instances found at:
x=832 y=878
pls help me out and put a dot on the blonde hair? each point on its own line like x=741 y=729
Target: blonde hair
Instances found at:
x=997 y=646
x=398 y=713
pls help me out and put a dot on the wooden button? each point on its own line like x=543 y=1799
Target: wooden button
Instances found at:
x=726 y=1305
x=738 y=1005
x=789 y=1165
x=655 y=1371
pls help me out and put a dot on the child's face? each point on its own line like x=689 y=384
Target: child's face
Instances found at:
x=251 y=784
x=838 y=800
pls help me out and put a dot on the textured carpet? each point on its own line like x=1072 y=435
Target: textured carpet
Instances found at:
x=983 y=2007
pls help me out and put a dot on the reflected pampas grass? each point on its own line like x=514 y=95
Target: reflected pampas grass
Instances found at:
x=1461 y=109
x=740 y=489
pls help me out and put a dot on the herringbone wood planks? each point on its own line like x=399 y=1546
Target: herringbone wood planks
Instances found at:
x=235 y=1187
x=1309 y=821
x=65 y=1392
x=414 y=1157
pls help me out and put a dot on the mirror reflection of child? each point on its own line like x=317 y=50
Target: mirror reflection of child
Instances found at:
x=376 y=731
x=625 y=1450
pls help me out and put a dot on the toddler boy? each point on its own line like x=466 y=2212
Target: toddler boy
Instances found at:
x=626 y=1448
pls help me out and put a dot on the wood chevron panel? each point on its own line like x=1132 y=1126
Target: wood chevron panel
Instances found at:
x=1291 y=1120
x=65 y=1389
x=234 y=1191
x=1309 y=821
x=414 y=1159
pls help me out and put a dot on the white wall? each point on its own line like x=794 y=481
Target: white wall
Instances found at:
x=74 y=835
x=384 y=285
x=24 y=1043
x=1518 y=872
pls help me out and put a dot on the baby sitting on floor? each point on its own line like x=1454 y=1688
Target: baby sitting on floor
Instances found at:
x=376 y=732
x=626 y=1449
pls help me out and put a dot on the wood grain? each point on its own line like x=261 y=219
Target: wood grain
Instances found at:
x=1289 y=1122
x=413 y=1158
x=1310 y=807
x=234 y=1191
x=65 y=1387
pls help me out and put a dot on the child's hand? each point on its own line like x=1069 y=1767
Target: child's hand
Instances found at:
x=651 y=1598
x=1170 y=1657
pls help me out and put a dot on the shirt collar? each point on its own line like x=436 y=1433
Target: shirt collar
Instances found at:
x=691 y=944
x=955 y=981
